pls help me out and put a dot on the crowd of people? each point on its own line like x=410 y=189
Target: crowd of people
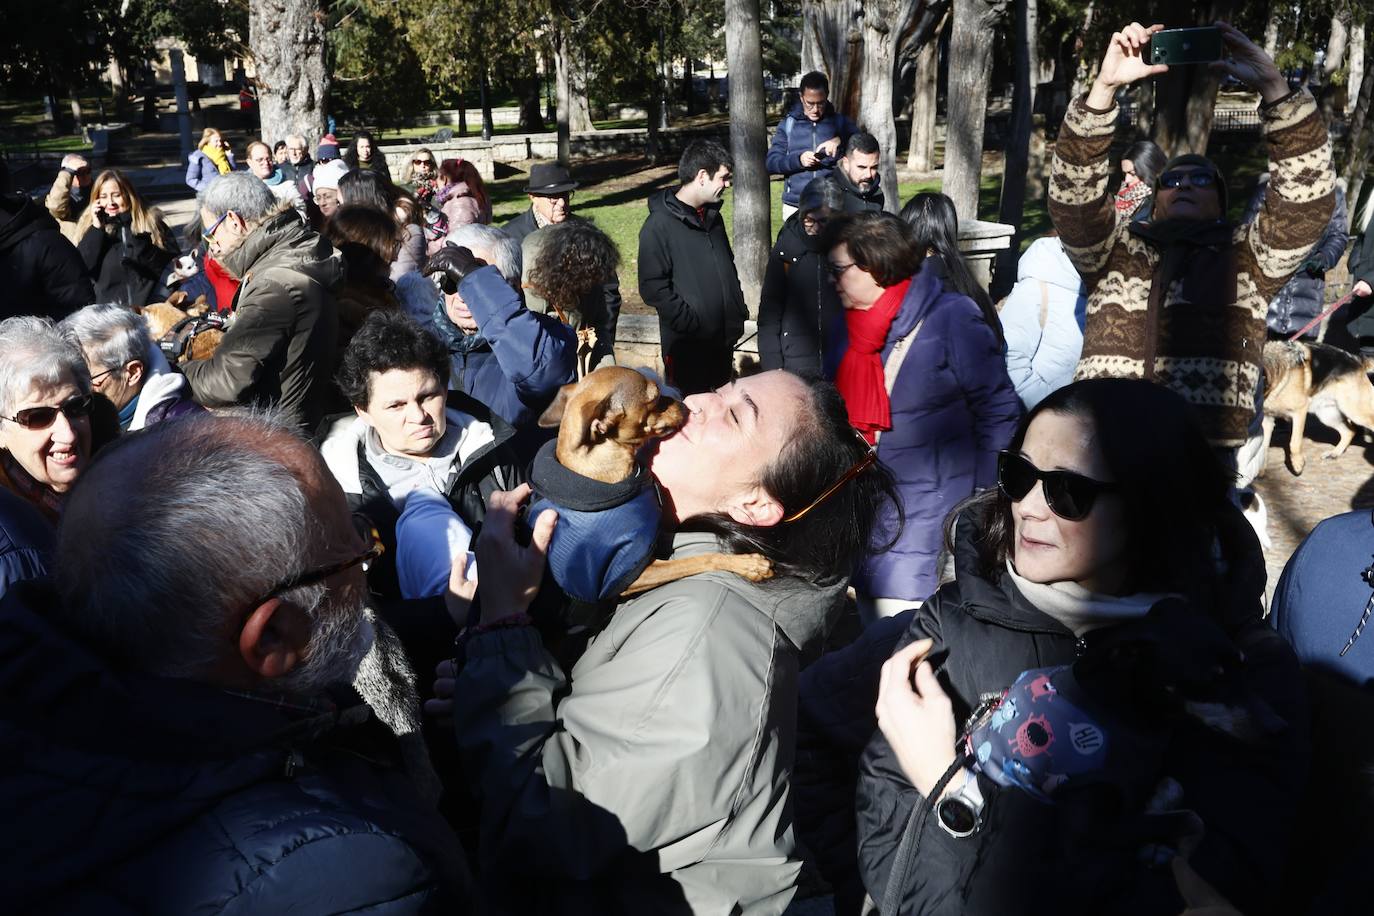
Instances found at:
x=278 y=632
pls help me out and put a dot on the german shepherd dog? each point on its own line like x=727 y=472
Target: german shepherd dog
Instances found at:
x=1302 y=378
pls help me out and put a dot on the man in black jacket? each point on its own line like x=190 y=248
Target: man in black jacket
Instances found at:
x=687 y=272
x=40 y=271
x=857 y=174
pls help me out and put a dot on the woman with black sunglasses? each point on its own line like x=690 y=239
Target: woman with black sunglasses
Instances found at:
x=1109 y=502
x=45 y=413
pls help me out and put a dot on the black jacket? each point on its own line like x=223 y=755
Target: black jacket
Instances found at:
x=281 y=347
x=798 y=300
x=1246 y=796
x=126 y=793
x=687 y=274
x=1361 y=266
x=127 y=267
x=520 y=226
x=40 y=271
x=855 y=200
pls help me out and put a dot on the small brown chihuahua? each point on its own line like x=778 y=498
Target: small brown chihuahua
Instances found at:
x=602 y=421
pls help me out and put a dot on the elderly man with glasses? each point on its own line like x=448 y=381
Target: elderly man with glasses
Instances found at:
x=281 y=347
x=807 y=143
x=198 y=721
x=298 y=164
x=1181 y=299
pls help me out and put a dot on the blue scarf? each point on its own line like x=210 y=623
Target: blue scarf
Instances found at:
x=451 y=335
x=126 y=413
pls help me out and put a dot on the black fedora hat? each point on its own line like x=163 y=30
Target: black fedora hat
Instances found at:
x=548 y=179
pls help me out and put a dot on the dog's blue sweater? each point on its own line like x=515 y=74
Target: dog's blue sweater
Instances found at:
x=606 y=531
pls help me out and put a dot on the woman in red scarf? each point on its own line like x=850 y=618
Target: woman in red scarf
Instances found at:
x=921 y=370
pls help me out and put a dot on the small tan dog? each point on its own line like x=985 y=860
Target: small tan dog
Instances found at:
x=183 y=332
x=1303 y=378
x=602 y=421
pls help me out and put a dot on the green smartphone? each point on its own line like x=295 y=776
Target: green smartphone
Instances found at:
x=1186 y=46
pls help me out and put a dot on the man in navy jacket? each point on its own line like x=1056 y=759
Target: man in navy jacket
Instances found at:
x=808 y=141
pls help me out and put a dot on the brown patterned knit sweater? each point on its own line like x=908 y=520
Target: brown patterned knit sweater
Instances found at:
x=1199 y=331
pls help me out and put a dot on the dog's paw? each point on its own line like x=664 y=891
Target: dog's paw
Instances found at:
x=1330 y=455
x=753 y=567
x=1297 y=467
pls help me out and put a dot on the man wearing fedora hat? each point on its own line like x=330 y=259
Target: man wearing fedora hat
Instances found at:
x=550 y=190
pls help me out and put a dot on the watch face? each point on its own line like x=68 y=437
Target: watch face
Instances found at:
x=957 y=816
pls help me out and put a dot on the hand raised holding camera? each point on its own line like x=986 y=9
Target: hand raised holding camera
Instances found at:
x=1249 y=64
x=1125 y=62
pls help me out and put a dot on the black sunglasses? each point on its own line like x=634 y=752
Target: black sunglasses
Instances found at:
x=1194 y=179
x=42 y=417
x=1069 y=496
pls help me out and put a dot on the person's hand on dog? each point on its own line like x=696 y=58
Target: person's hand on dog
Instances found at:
x=1249 y=64
x=916 y=716
x=454 y=262
x=1124 y=63
x=513 y=572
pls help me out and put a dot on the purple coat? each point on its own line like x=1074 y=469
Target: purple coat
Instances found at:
x=953 y=409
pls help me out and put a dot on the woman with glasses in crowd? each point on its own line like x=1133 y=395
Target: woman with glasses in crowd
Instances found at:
x=920 y=366
x=798 y=297
x=45 y=413
x=653 y=776
x=1110 y=539
x=126 y=244
x=419 y=175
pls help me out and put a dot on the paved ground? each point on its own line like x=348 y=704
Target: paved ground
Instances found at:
x=1326 y=488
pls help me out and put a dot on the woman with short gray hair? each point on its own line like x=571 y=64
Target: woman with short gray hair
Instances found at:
x=45 y=407
x=127 y=367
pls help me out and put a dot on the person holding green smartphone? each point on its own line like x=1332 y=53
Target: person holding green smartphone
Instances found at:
x=1180 y=299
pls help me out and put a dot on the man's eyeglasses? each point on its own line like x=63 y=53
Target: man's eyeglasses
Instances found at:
x=95 y=379
x=1069 y=496
x=73 y=408
x=209 y=234
x=315 y=576
x=870 y=456
x=814 y=106
x=1201 y=179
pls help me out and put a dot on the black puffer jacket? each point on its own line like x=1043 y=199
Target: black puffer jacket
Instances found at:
x=281 y=347
x=1245 y=796
x=687 y=274
x=40 y=271
x=125 y=793
x=797 y=300
x=127 y=267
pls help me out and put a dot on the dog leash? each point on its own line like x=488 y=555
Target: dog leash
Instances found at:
x=1324 y=315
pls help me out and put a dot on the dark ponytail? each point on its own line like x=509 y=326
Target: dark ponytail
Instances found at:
x=935 y=228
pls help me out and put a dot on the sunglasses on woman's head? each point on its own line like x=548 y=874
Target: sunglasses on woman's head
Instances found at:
x=42 y=417
x=1069 y=496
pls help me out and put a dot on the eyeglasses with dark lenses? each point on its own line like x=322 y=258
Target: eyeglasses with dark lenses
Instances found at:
x=42 y=417
x=1194 y=179
x=1070 y=496
x=429 y=162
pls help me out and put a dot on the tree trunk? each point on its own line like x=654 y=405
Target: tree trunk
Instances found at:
x=570 y=77
x=287 y=38
x=74 y=94
x=748 y=145
x=1271 y=30
x=832 y=42
x=462 y=116
x=1357 y=58
x=1086 y=60
x=876 y=71
x=1336 y=45
x=1358 y=139
x=970 y=71
x=921 y=155
x=1145 y=108
x=1025 y=70
x=1186 y=97
x=689 y=93
x=485 y=100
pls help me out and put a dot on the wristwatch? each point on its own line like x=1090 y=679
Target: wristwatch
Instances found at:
x=960 y=812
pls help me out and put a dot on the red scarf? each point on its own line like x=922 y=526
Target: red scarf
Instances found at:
x=860 y=376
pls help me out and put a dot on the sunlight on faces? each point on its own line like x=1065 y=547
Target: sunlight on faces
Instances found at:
x=56 y=455
x=228 y=235
x=110 y=198
x=327 y=199
x=553 y=209
x=364 y=149
x=260 y=161
x=1090 y=552
x=406 y=408
x=714 y=462
x=454 y=306
x=861 y=169
x=856 y=286
x=1186 y=201
x=295 y=153
x=118 y=383
x=813 y=103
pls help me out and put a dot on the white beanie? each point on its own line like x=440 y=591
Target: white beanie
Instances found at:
x=327 y=174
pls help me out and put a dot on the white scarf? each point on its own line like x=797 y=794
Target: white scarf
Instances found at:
x=1079 y=609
